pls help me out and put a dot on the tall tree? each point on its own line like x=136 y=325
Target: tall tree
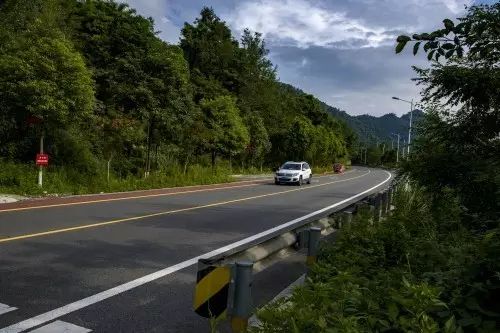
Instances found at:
x=41 y=75
x=459 y=147
x=227 y=133
x=211 y=52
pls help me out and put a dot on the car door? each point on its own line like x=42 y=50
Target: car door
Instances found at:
x=307 y=171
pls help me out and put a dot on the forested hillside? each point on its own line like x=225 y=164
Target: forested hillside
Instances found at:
x=94 y=79
x=371 y=129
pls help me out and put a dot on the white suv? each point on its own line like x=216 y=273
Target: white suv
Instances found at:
x=293 y=172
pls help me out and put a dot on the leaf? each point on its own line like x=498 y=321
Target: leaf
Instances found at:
x=448 y=24
x=400 y=46
x=392 y=311
x=449 y=54
x=430 y=55
x=415 y=48
x=425 y=36
x=460 y=52
x=437 y=56
x=417 y=37
x=450 y=325
x=448 y=46
x=403 y=38
x=458 y=28
x=427 y=46
x=440 y=51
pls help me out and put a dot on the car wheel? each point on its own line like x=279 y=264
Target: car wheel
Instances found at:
x=309 y=179
x=300 y=181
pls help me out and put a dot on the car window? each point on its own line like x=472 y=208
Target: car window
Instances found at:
x=307 y=166
x=291 y=166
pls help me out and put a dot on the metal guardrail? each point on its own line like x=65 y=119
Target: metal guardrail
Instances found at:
x=215 y=298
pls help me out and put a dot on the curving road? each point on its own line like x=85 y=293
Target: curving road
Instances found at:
x=123 y=262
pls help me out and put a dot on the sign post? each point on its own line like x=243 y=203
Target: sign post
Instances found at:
x=42 y=160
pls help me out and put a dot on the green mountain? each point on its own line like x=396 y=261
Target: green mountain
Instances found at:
x=371 y=129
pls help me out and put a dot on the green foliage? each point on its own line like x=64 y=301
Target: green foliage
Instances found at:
x=112 y=93
x=477 y=34
x=226 y=132
x=416 y=271
x=460 y=149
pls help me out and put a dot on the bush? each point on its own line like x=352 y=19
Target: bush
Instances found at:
x=420 y=270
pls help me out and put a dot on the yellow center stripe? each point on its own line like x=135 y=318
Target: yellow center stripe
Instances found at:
x=211 y=284
x=141 y=217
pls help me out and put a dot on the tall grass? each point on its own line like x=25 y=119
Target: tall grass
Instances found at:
x=22 y=179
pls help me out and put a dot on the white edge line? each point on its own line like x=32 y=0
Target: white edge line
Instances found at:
x=4 y=308
x=61 y=327
x=80 y=304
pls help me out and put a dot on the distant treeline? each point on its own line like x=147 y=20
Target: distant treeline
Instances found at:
x=96 y=80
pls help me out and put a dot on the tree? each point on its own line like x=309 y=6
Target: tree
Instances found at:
x=42 y=75
x=139 y=78
x=299 y=138
x=211 y=53
x=259 y=144
x=226 y=132
x=460 y=149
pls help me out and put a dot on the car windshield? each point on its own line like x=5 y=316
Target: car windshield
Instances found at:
x=291 y=166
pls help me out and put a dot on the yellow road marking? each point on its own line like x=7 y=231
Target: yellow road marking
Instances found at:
x=124 y=198
x=168 y=212
x=140 y=196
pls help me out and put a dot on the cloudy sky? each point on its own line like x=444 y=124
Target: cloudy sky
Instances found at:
x=342 y=51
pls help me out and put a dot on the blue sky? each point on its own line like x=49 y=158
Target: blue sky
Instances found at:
x=341 y=51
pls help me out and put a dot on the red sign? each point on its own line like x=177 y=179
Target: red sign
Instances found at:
x=42 y=159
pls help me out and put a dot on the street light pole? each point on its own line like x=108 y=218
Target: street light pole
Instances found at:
x=409 y=130
x=411 y=120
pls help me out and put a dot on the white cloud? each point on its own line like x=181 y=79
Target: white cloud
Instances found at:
x=457 y=6
x=301 y=23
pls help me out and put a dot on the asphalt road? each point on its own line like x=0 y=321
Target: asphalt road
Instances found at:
x=125 y=264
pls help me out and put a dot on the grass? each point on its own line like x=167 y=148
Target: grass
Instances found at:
x=21 y=179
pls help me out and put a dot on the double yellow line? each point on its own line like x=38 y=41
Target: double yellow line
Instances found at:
x=168 y=212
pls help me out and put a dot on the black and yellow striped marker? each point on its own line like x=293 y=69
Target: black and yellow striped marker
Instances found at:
x=211 y=292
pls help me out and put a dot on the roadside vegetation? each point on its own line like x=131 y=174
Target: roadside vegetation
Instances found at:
x=432 y=266
x=95 y=80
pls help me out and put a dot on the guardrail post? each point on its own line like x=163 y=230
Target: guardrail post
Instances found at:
x=242 y=299
x=384 y=200
x=389 y=199
x=347 y=218
x=312 y=250
x=376 y=211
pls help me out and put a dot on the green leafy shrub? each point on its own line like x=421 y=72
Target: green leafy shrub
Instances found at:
x=420 y=270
